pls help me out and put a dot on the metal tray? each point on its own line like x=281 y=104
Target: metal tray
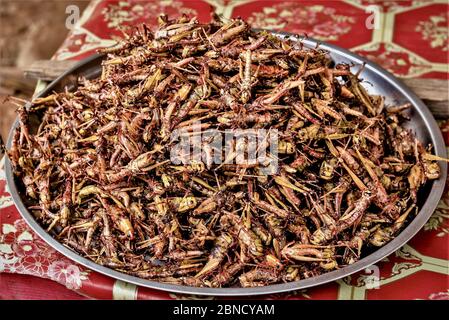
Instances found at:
x=378 y=81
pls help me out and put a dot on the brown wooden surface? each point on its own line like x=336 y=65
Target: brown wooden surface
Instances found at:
x=11 y=80
x=433 y=92
x=48 y=69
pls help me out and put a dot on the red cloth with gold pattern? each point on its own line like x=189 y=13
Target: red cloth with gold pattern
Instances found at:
x=411 y=41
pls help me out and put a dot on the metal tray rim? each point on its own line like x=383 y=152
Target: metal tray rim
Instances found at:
x=425 y=212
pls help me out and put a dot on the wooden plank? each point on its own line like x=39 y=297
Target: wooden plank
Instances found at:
x=12 y=80
x=429 y=89
x=433 y=92
x=48 y=70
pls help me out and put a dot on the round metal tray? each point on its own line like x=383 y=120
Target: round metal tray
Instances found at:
x=378 y=81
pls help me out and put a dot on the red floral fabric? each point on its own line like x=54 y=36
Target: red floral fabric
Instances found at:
x=411 y=41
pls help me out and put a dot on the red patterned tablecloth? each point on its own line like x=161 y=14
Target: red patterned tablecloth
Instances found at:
x=411 y=41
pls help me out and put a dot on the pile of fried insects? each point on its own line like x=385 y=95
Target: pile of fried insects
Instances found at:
x=97 y=174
